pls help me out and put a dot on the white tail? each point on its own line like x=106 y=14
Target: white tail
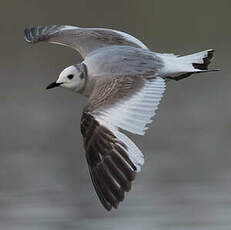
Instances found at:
x=179 y=67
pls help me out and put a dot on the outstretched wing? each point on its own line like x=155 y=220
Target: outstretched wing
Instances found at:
x=84 y=40
x=120 y=103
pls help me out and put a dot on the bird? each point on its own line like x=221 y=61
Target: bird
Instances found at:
x=124 y=82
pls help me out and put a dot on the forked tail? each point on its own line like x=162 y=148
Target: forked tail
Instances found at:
x=179 y=67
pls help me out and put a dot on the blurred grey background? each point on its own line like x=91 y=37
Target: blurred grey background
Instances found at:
x=44 y=180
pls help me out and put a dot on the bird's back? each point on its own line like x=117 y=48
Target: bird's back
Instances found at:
x=122 y=60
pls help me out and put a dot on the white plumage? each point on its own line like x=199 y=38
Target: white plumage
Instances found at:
x=124 y=82
x=134 y=113
x=175 y=65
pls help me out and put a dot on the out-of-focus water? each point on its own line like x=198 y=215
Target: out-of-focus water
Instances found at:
x=44 y=180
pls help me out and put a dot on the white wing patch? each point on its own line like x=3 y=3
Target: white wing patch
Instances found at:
x=136 y=112
x=69 y=28
x=132 y=39
x=133 y=152
x=133 y=115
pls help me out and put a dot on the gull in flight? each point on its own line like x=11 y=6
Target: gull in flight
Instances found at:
x=124 y=82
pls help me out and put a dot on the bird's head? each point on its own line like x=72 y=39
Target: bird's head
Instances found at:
x=72 y=77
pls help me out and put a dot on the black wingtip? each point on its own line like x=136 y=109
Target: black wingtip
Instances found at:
x=29 y=35
x=35 y=34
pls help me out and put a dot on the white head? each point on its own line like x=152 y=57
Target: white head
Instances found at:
x=72 y=77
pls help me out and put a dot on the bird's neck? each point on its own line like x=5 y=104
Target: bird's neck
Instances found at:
x=87 y=81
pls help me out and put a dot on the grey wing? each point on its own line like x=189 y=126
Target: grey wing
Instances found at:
x=84 y=40
x=121 y=61
x=126 y=103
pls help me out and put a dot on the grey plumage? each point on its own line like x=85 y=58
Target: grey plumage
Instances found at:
x=122 y=61
x=84 y=40
x=124 y=82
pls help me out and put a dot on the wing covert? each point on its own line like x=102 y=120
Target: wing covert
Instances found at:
x=84 y=40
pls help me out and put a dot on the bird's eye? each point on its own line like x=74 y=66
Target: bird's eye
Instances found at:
x=70 y=76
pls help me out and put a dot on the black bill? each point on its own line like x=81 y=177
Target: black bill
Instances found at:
x=53 y=85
